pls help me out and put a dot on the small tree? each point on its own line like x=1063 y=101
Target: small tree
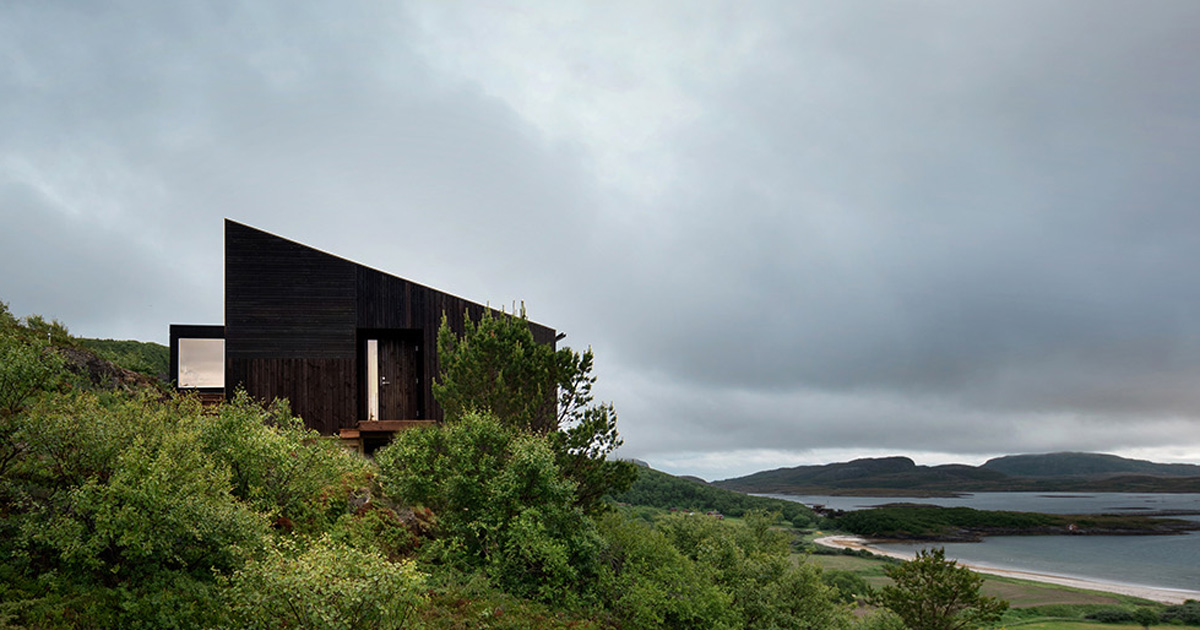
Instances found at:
x=933 y=593
x=496 y=366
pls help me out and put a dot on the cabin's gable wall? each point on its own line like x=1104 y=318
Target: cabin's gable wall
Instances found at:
x=290 y=326
x=297 y=321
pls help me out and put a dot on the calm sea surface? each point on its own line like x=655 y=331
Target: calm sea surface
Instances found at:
x=1162 y=561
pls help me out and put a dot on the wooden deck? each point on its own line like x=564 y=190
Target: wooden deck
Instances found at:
x=369 y=435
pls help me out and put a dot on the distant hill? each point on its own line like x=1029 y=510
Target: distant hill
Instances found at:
x=661 y=490
x=900 y=476
x=1084 y=464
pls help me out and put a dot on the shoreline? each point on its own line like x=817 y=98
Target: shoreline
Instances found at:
x=1153 y=593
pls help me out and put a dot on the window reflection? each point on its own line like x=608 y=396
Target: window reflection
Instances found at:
x=202 y=363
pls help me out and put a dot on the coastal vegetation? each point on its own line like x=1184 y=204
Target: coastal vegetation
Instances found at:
x=1032 y=605
x=134 y=507
x=958 y=524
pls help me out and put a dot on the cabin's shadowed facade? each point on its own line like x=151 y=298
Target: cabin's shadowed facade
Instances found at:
x=318 y=330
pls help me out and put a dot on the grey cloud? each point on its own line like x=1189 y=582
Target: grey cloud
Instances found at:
x=969 y=197
x=322 y=126
x=974 y=221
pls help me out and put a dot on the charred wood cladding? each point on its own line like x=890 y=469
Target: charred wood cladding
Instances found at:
x=344 y=343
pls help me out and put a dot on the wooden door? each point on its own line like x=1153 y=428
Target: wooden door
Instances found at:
x=400 y=379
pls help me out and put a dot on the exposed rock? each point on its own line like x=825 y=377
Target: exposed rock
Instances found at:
x=102 y=373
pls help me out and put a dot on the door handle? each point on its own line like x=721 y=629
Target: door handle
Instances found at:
x=383 y=381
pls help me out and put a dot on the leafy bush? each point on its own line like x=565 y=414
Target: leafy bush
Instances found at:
x=647 y=583
x=500 y=502
x=1146 y=616
x=458 y=602
x=850 y=586
x=378 y=529
x=121 y=509
x=881 y=619
x=281 y=469
x=751 y=562
x=116 y=515
x=26 y=368
x=53 y=332
x=1111 y=615
x=164 y=506
x=326 y=585
x=1187 y=613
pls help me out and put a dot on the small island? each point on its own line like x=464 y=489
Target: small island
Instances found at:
x=907 y=521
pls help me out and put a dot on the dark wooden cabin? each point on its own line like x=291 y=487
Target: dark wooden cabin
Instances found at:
x=354 y=349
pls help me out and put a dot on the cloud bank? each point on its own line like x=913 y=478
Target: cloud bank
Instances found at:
x=792 y=231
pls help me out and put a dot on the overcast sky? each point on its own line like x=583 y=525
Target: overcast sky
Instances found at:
x=794 y=232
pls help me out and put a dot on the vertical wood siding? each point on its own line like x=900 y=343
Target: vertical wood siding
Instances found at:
x=296 y=318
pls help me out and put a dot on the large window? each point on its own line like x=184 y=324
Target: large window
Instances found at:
x=201 y=363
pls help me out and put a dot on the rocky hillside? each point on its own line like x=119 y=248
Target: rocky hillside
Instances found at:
x=101 y=373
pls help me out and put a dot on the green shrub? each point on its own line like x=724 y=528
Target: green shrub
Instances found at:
x=881 y=619
x=116 y=517
x=26 y=368
x=123 y=508
x=1187 y=613
x=750 y=561
x=164 y=507
x=459 y=602
x=1146 y=616
x=850 y=586
x=283 y=470
x=323 y=585
x=647 y=583
x=501 y=505
x=1111 y=615
x=379 y=529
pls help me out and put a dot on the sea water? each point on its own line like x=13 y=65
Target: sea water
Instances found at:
x=1161 y=561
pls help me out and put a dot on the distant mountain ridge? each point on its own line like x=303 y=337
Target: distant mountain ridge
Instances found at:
x=1046 y=472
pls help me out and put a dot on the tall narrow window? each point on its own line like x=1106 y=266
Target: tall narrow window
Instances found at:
x=202 y=363
x=372 y=379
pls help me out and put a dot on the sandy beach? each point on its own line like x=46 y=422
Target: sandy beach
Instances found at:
x=1165 y=595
